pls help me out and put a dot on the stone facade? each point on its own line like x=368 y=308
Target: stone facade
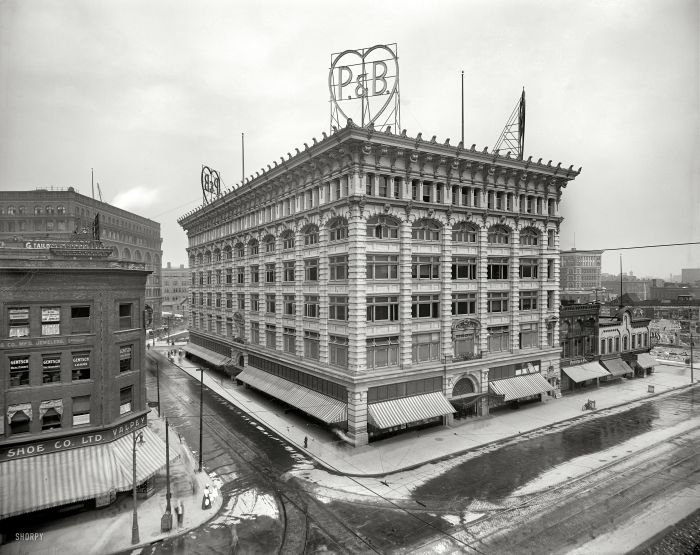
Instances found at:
x=411 y=260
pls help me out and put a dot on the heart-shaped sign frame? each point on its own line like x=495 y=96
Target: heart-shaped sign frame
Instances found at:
x=363 y=55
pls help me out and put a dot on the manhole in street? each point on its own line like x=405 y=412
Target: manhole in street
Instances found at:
x=439 y=439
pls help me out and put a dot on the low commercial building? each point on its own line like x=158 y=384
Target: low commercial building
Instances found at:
x=379 y=282
x=72 y=376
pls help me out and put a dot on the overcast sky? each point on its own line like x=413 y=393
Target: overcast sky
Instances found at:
x=146 y=92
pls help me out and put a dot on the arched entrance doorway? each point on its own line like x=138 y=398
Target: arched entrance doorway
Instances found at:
x=465 y=398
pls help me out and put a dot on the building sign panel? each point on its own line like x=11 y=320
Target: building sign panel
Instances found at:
x=70 y=442
x=19 y=314
x=51 y=314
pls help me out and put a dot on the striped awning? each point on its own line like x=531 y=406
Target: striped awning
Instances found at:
x=584 y=372
x=521 y=386
x=617 y=367
x=316 y=404
x=387 y=414
x=205 y=354
x=645 y=360
x=63 y=477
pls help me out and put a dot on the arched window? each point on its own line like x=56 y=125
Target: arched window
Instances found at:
x=269 y=242
x=240 y=250
x=426 y=230
x=137 y=255
x=529 y=237
x=126 y=253
x=227 y=252
x=498 y=235
x=253 y=246
x=192 y=261
x=207 y=257
x=465 y=232
x=217 y=255
x=382 y=227
x=199 y=258
x=287 y=240
x=310 y=235
x=338 y=229
x=37 y=210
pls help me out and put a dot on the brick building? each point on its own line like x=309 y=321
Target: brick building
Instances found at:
x=176 y=288
x=379 y=282
x=72 y=376
x=56 y=214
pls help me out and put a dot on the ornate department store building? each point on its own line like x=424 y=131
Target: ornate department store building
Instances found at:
x=379 y=282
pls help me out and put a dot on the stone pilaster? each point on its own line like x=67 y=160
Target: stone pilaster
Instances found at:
x=514 y=279
x=299 y=289
x=323 y=276
x=405 y=291
x=357 y=416
x=482 y=293
x=357 y=289
x=446 y=350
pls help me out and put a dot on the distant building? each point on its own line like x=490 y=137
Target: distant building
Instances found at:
x=43 y=217
x=673 y=292
x=176 y=288
x=690 y=275
x=72 y=376
x=580 y=270
x=630 y=284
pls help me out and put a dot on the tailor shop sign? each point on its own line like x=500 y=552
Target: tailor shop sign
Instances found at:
x=70 y=442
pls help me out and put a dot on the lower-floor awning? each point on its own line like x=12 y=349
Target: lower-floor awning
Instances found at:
x=645 y=360
x=584 y=372
x=387 y=414
x=521 y=386
x=318 y=405
x=205 y=354
x=63 y=477
x=617 y=367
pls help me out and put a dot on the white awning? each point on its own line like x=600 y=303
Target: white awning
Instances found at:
x=205 y=354
x=318 y=405
x=617 y=367
x=584 y=372
x=387 y=414
x=521 y=386
x=645 y=360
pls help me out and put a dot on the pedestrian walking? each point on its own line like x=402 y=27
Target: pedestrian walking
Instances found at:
x=180 y=511
x=306 y=442
x=206 y=499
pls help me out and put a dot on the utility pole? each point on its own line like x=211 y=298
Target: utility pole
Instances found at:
x=462 y=107
x=201 y=414
x=168 y=509
x=158 y=386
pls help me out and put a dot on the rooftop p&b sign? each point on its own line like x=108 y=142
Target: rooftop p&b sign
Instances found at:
x=364 y=87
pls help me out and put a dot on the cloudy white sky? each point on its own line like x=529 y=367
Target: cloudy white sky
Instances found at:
x=145 y=92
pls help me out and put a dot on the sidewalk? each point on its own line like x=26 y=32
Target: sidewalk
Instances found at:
x=108 y=530
x=413 y=449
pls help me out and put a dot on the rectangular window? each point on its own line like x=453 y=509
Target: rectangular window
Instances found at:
x=528 y=300
x=383 y=309
x=81 y=366
x=311 y=308
x=311 y=345
x=51 y=320
x=497 y=268
x=497 y=301
x=255 y=274
x=208 y=277
x=528 y=335
x=550 y=299
x=382 y=352
x=81 y=410
x=528 y=268
x=240 y=275
x=51 y=414
x=19 y=322
x=208 y=299
x=240 y=301
x=229 y=300
x=338 y=350
x=125 y=400
x=498 y=339
x=463 y=268
x=289 y=335
x=464 y=343
x=425 y=267
x=19 y=371
x=270 y=336
x=125 y=316
x=269 y=273
x=270 y=303
x=338 y=267
x=255 y=333
x=425 y=306
x=551 y=238
x=311 y=269
x=289 y=270
x=201 y=278
x=550 y=269
x=463 y=303
x=126 y=353
x=255 y=302
x=289 y=305
x=382 y=266
x=51 y=368
x=338 y=307
x=229 y=276
x=218 y=276
x=218 y=300
x=426 y=346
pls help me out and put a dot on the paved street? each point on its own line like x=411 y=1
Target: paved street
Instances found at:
x=572 y=482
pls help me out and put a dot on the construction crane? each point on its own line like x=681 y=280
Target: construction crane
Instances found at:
x=512 y=138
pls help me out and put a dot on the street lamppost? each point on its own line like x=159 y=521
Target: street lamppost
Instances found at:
x=135 y=524
x=166 y=523
x=201 y=414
